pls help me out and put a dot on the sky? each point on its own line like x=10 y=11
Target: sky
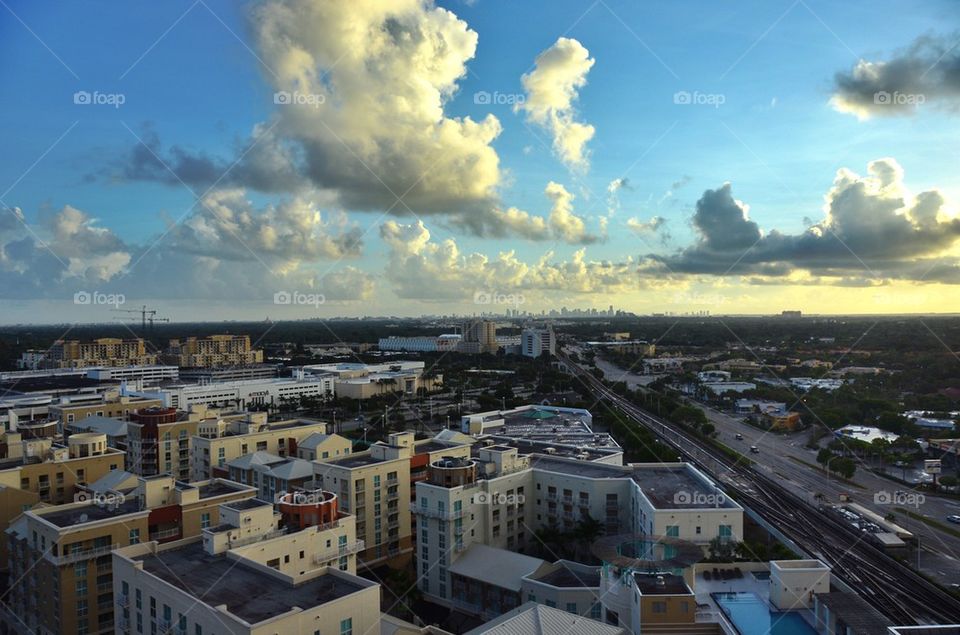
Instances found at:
x=317 y=158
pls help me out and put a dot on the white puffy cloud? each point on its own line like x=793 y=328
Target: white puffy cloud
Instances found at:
x=552 y=87
x=423 y=269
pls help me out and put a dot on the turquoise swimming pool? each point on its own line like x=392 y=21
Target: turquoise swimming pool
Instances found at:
x=751 y=616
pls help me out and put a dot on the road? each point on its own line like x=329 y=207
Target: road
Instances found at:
x=785 y=458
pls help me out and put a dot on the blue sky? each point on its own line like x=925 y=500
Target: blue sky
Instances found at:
x=198 y=76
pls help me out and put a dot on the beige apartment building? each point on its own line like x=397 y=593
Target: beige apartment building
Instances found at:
x=212 y=351
x=38 y=471
x=113 y=406
x=323 y=447
x=374 y=486
x=106 y=351
x=159 y=439
x=218 y=443
x=60 y=556
x=156 y=589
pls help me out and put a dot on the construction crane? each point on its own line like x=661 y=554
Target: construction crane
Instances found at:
x=147 y=316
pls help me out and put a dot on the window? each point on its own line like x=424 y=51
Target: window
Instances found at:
x=81 y=588
x=346 y=626
x=134 y=536
x=726 y=531
x=595 y=611
x=673 y=531
x=205 y=520
x=572 y=607
x=659 y=607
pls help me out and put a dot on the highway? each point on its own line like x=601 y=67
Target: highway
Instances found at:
x=902 y=594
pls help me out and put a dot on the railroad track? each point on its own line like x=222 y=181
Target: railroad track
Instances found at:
x=896 y=590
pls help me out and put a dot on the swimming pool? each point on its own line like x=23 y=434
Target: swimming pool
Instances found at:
x=751 y=615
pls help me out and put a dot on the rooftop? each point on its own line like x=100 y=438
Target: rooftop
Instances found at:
x=80 y=515
x=247 y=503
x=247 y=593
x=538 y=619
x=497 y=567
x=661 y=584
x=564 y=576
x=356 y=460
x=857 y=614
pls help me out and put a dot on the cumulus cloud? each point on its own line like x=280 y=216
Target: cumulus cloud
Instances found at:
x=362 y=88
x=562 y=223
x=873 y=229
x=424 y=269
x=656 y=225
x=928 y=71
x=225 y=250
x=552 y=87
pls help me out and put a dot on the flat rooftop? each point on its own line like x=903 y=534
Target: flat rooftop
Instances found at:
x=247 y=593
x=64 y=518
x=665 y=486
x=547 y=424
x=433 y=446
x=567 y=578
x=356 y=460
x=661 y=584
x=528 y=446
x=247 y=503
x=218 y=488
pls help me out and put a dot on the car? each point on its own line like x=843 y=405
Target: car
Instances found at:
x=954 y=519
x=739 y=437
x=754 y=449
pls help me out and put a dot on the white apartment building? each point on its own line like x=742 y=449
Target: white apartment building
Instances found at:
x=499 y=498
x=534 y=342
x=243 y=394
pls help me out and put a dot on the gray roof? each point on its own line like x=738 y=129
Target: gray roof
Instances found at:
x=116 y=481
x=104 y=425
x=495 y=566
x=538 y=619
x=312 y=441
x=260 y=457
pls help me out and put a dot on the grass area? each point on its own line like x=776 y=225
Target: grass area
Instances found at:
x=936 y=524
x=843 y=480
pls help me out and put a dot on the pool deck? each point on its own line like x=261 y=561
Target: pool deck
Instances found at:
x=710 y=612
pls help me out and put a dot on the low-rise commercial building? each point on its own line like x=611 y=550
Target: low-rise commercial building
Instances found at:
x=362 y=381
x=541 y=424
x=243 y=394
x=421 y=344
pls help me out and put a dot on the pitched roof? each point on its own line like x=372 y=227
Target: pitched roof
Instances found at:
x=537 y=619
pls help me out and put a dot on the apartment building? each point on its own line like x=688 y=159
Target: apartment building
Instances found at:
x=212 y=351
x=272 y=475
x=41 y=472
x=110 y=404
x=218 y=443
x=321 y=447
x=185 y=587
x=375 y=487
x=106 y=351
x=499 y=498
x=60 y=556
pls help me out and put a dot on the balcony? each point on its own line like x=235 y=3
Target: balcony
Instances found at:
x=342 y=550
x=84 y=554
x=123 y=601
x=430 y=512
x=105 y=587
x=163 y=534
x=568 y=500
x=584 y=502
x=552 y=496
x=393 y=494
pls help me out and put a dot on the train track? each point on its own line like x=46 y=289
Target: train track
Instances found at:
x=896 y=590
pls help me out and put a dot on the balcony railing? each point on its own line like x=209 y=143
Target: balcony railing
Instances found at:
x=342 y=550
x=430 y=512
x=249 y=540
x=85 y=554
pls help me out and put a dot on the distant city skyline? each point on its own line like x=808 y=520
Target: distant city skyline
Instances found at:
x=299 y=158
